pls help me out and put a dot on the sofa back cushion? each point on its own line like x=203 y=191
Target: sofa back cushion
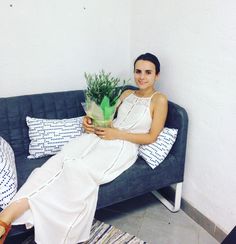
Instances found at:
x=60 y=105
x=13 y=112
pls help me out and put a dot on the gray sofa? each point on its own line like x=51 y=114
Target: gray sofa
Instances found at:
x=137 y=180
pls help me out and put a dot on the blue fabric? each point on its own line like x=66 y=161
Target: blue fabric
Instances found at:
x=25 y=166
x=137 y=180
x=127 y=185
x=13 y=112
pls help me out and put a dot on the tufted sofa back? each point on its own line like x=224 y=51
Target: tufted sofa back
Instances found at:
x=59 y=105
x=13 y=112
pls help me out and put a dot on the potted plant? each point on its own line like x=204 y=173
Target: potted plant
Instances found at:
x=102 y=97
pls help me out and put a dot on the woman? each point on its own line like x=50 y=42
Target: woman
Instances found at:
x=60 y=197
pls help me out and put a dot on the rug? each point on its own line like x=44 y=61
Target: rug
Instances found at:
x=102 y=233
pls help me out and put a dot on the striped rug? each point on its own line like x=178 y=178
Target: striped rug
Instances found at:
x=102 y=233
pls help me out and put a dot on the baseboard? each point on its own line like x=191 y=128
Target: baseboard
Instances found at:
x=197 y=216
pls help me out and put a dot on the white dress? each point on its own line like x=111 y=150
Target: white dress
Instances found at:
x=63 y=192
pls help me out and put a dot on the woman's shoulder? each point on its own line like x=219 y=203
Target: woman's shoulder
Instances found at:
x=159 y=98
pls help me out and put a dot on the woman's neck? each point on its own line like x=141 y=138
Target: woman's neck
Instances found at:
x=145 y=92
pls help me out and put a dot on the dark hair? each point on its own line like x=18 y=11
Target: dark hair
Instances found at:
x=151 y=58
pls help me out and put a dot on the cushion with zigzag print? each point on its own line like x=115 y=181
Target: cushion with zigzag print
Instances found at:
x=48 y=136
x=156 y=152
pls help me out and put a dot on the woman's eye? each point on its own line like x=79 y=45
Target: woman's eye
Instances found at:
x=137 y=71
x=149 y=72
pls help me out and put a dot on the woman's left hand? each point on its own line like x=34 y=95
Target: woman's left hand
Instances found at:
x=107 y=133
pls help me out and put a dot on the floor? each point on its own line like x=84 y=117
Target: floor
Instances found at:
x=146 y=218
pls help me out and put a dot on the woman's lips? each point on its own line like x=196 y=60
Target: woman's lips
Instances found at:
x=142 y=82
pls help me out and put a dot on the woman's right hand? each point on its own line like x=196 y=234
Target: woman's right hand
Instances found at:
x=88 y=124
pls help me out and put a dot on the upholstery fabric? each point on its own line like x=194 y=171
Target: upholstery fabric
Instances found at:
x=8 y=176
x=13 y=112
x=133 y=182
x=137 y=180
x=126 y=185
x=25 y=166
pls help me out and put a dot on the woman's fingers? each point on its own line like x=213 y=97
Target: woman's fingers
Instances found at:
x=88 y=125
x=87 y=121
x=89 y=130
x=101 y=132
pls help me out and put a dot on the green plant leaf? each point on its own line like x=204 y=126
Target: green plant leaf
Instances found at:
x=106 y=108
x=109 y=111
x=101 y=85
x=105 y=103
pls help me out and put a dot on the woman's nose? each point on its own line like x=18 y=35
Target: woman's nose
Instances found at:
x=142 y=76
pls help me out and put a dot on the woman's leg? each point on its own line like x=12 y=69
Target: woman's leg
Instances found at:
x=12 y=212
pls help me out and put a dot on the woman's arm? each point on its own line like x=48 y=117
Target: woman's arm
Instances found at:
x=159 y=108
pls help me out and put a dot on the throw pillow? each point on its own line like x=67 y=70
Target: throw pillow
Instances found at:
x=156 y=152
x=8 y=176
x=47 y=136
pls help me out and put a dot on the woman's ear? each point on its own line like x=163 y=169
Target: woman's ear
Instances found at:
x=157 y=76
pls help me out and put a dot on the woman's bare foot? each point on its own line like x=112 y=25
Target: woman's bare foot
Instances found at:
x=9 y=214
x=4 y=229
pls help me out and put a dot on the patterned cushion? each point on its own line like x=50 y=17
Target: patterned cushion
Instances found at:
x=8 y=177
x=156 y=152
x=47 y=136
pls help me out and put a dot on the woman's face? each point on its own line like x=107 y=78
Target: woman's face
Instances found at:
x=144 y=74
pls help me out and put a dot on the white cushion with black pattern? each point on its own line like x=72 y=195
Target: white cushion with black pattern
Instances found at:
x=156 y=152
x=8 y=176
x=47 y=136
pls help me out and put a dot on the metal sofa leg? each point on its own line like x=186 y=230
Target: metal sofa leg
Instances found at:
x=168 y=204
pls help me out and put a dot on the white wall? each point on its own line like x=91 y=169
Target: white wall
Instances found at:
x=48 y=45
x=196 y=44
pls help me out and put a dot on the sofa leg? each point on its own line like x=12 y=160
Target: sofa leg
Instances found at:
x=168 y=204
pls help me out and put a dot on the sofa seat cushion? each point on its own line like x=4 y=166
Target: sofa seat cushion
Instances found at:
x=25 y=166
x=135 y=181
x=139 y=179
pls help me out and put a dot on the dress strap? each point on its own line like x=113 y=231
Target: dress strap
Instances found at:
x=153 y=94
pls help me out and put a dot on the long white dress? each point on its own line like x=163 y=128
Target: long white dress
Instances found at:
x=63 y=192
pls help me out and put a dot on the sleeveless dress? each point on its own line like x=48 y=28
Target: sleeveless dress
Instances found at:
x=63 y=192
